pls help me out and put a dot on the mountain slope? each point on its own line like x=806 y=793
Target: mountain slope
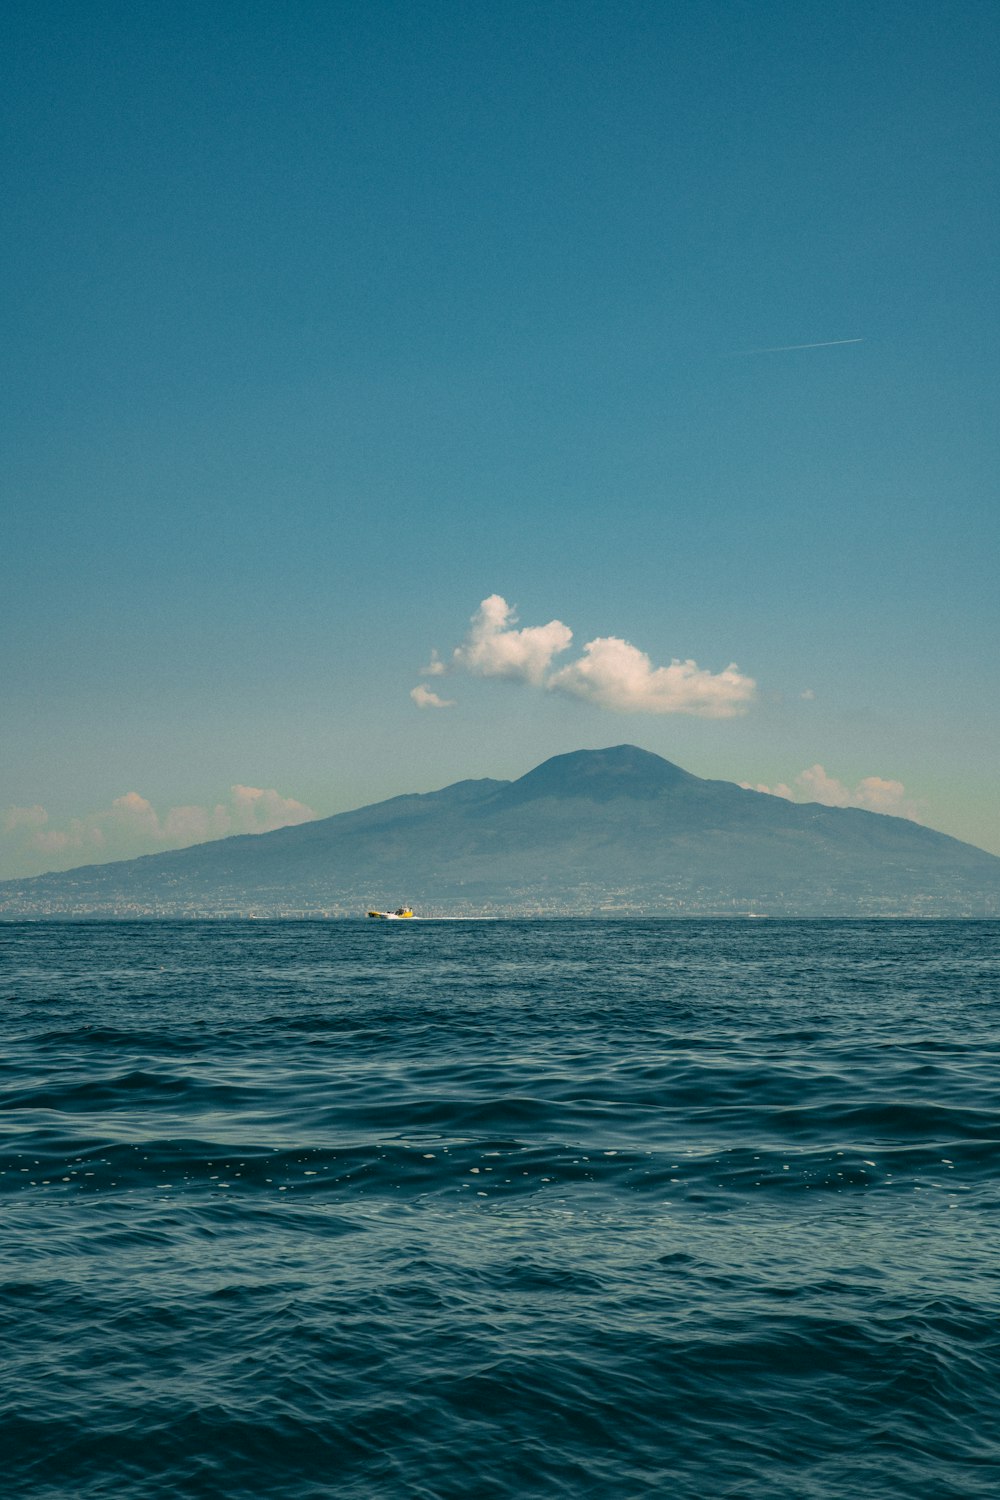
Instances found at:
x=591 y=831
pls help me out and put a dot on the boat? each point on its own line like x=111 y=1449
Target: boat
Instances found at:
x=401 y=914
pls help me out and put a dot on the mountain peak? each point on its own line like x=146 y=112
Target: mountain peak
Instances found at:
x=596 y=831
x=600 y=775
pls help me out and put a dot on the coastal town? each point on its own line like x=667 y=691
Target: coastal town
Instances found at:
x=586 y=901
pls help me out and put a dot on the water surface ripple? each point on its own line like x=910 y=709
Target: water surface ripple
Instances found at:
x=439 y=1210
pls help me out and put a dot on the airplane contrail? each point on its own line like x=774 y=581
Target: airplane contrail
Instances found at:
x=788 y=348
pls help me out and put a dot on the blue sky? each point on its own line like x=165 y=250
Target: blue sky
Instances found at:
x=327 y=322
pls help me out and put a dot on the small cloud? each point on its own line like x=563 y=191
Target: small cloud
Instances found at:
x=819 y=787
x=261 y=809
x=807 y=696
x=493 y=648
x=781 y=790
x=874 y=793
x=80 y=835
x=24 y=817
x=615 y=674
x=136 y=814
x=424 y=698
x=884 y=796
x=434 y=668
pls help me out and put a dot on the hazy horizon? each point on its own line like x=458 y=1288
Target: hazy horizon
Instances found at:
x=178 y=838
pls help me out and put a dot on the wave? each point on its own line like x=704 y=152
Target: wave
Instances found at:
x=537 y=1210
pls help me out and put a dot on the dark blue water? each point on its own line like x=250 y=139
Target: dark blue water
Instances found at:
x=508 y=1209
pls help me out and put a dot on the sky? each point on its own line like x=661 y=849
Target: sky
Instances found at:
x=399 y=393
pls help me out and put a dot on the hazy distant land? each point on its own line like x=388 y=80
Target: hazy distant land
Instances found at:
x=595 y=832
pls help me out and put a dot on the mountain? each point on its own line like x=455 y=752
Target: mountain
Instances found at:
x=594 y=832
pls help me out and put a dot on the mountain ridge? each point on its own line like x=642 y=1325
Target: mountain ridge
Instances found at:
x=588 y=831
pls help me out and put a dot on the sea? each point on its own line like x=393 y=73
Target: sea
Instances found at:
x=705 y=1210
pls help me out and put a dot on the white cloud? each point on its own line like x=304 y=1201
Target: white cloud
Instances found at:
x=615 y=674
x=434 y=668
x=260 y=810
x=611 y=673
x=885 y=797
x=131 y=826
x=193 y=825
x=25 y=817
x=807 y=696
x=493 y=648
x=136 y=814
x=780 y=790
x=80 y=835
x=424 y=698
x=875 y=793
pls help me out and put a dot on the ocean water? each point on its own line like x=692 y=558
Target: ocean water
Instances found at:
x=436 y=1210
